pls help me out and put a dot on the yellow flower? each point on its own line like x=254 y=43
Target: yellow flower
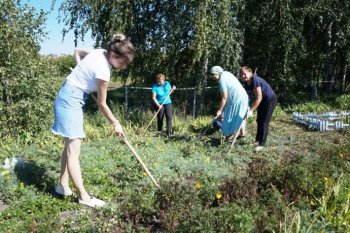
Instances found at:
x=341 y=155
x=5 y=172
x=312 y=203
x=145 y=174
x=21 y=185
x=207 y=160
x=7 y=177
x=218 y=196
x=348 y=194
x=325 y=178
x=198 y=185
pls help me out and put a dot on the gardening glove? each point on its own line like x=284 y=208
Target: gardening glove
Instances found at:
x=249 y=113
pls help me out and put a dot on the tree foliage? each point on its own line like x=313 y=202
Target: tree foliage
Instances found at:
x=26 y=95
x=297 y=44
x=179 y=38
x=294 y=44
x=174 y=37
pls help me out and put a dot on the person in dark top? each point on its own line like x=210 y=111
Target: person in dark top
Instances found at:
x=265 y=101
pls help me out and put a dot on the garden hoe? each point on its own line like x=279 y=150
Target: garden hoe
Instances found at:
x=158 y=109
x=134 y=152
x=238 y=131
x=140 y=160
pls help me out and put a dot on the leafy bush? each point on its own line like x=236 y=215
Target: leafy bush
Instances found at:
x=343 y=102
x=306 y=107
x=31 y=107
x=26 y=88
x=62 y=63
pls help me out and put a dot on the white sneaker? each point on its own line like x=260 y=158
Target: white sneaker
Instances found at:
x=92 y=202
x=61 y=191
x=258 y=148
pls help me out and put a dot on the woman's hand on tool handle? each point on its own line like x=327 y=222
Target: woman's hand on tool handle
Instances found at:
x=118 y=129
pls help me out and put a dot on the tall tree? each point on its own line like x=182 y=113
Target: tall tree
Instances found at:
x=328 y=30
x=273 y=43
x=297 y=43
x=177 y=37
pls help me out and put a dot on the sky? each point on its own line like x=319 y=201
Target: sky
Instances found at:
x=53 y=44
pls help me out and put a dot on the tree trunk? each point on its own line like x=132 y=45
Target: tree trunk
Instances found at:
x=202 y=85
x=343 y=80
x=5 y=97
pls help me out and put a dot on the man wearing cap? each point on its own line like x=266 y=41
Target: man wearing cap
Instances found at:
x=233 y=104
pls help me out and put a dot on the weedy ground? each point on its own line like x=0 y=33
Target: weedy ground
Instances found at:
x=298 y=183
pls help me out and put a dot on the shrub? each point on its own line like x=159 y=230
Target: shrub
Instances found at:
x=343 y=102
x=30 y=108
x=317 y=106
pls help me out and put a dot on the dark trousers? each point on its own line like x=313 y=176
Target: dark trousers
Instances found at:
x=166 y=110
x=265 y=111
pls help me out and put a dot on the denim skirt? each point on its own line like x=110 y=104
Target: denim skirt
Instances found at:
x=68 y=112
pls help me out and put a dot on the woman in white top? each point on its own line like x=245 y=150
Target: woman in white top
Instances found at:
x=92 y=73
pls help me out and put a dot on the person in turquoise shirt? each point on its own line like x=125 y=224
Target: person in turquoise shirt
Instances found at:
x=161 y=98
x=234 y=102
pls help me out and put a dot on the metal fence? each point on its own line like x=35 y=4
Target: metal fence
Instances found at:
x=185 y=99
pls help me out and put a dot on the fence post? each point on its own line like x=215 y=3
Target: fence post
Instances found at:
x=194 y=102
x=126 y=98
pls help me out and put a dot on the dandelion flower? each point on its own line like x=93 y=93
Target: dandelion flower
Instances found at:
x=145 y=174
x=218 y=196
x=198 y=185
x=21 y=185
x=312 y=203
x=325 y=178
x=5 y=172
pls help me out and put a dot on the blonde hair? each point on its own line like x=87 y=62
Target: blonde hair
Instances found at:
x=122 y=47
x=160 y=77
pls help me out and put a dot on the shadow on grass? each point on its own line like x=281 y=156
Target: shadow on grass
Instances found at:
x=31 y=173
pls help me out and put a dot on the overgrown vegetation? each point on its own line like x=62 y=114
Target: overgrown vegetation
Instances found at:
x=298 y=183
x=301 y=181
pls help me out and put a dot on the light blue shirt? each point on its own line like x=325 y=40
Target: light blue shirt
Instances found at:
x=236 y=105
x=162 y=92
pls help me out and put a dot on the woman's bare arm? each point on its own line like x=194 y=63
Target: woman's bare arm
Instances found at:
x=101 y=101
x=80 y=53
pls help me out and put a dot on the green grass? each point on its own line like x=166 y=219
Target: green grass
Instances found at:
x=281 y=189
